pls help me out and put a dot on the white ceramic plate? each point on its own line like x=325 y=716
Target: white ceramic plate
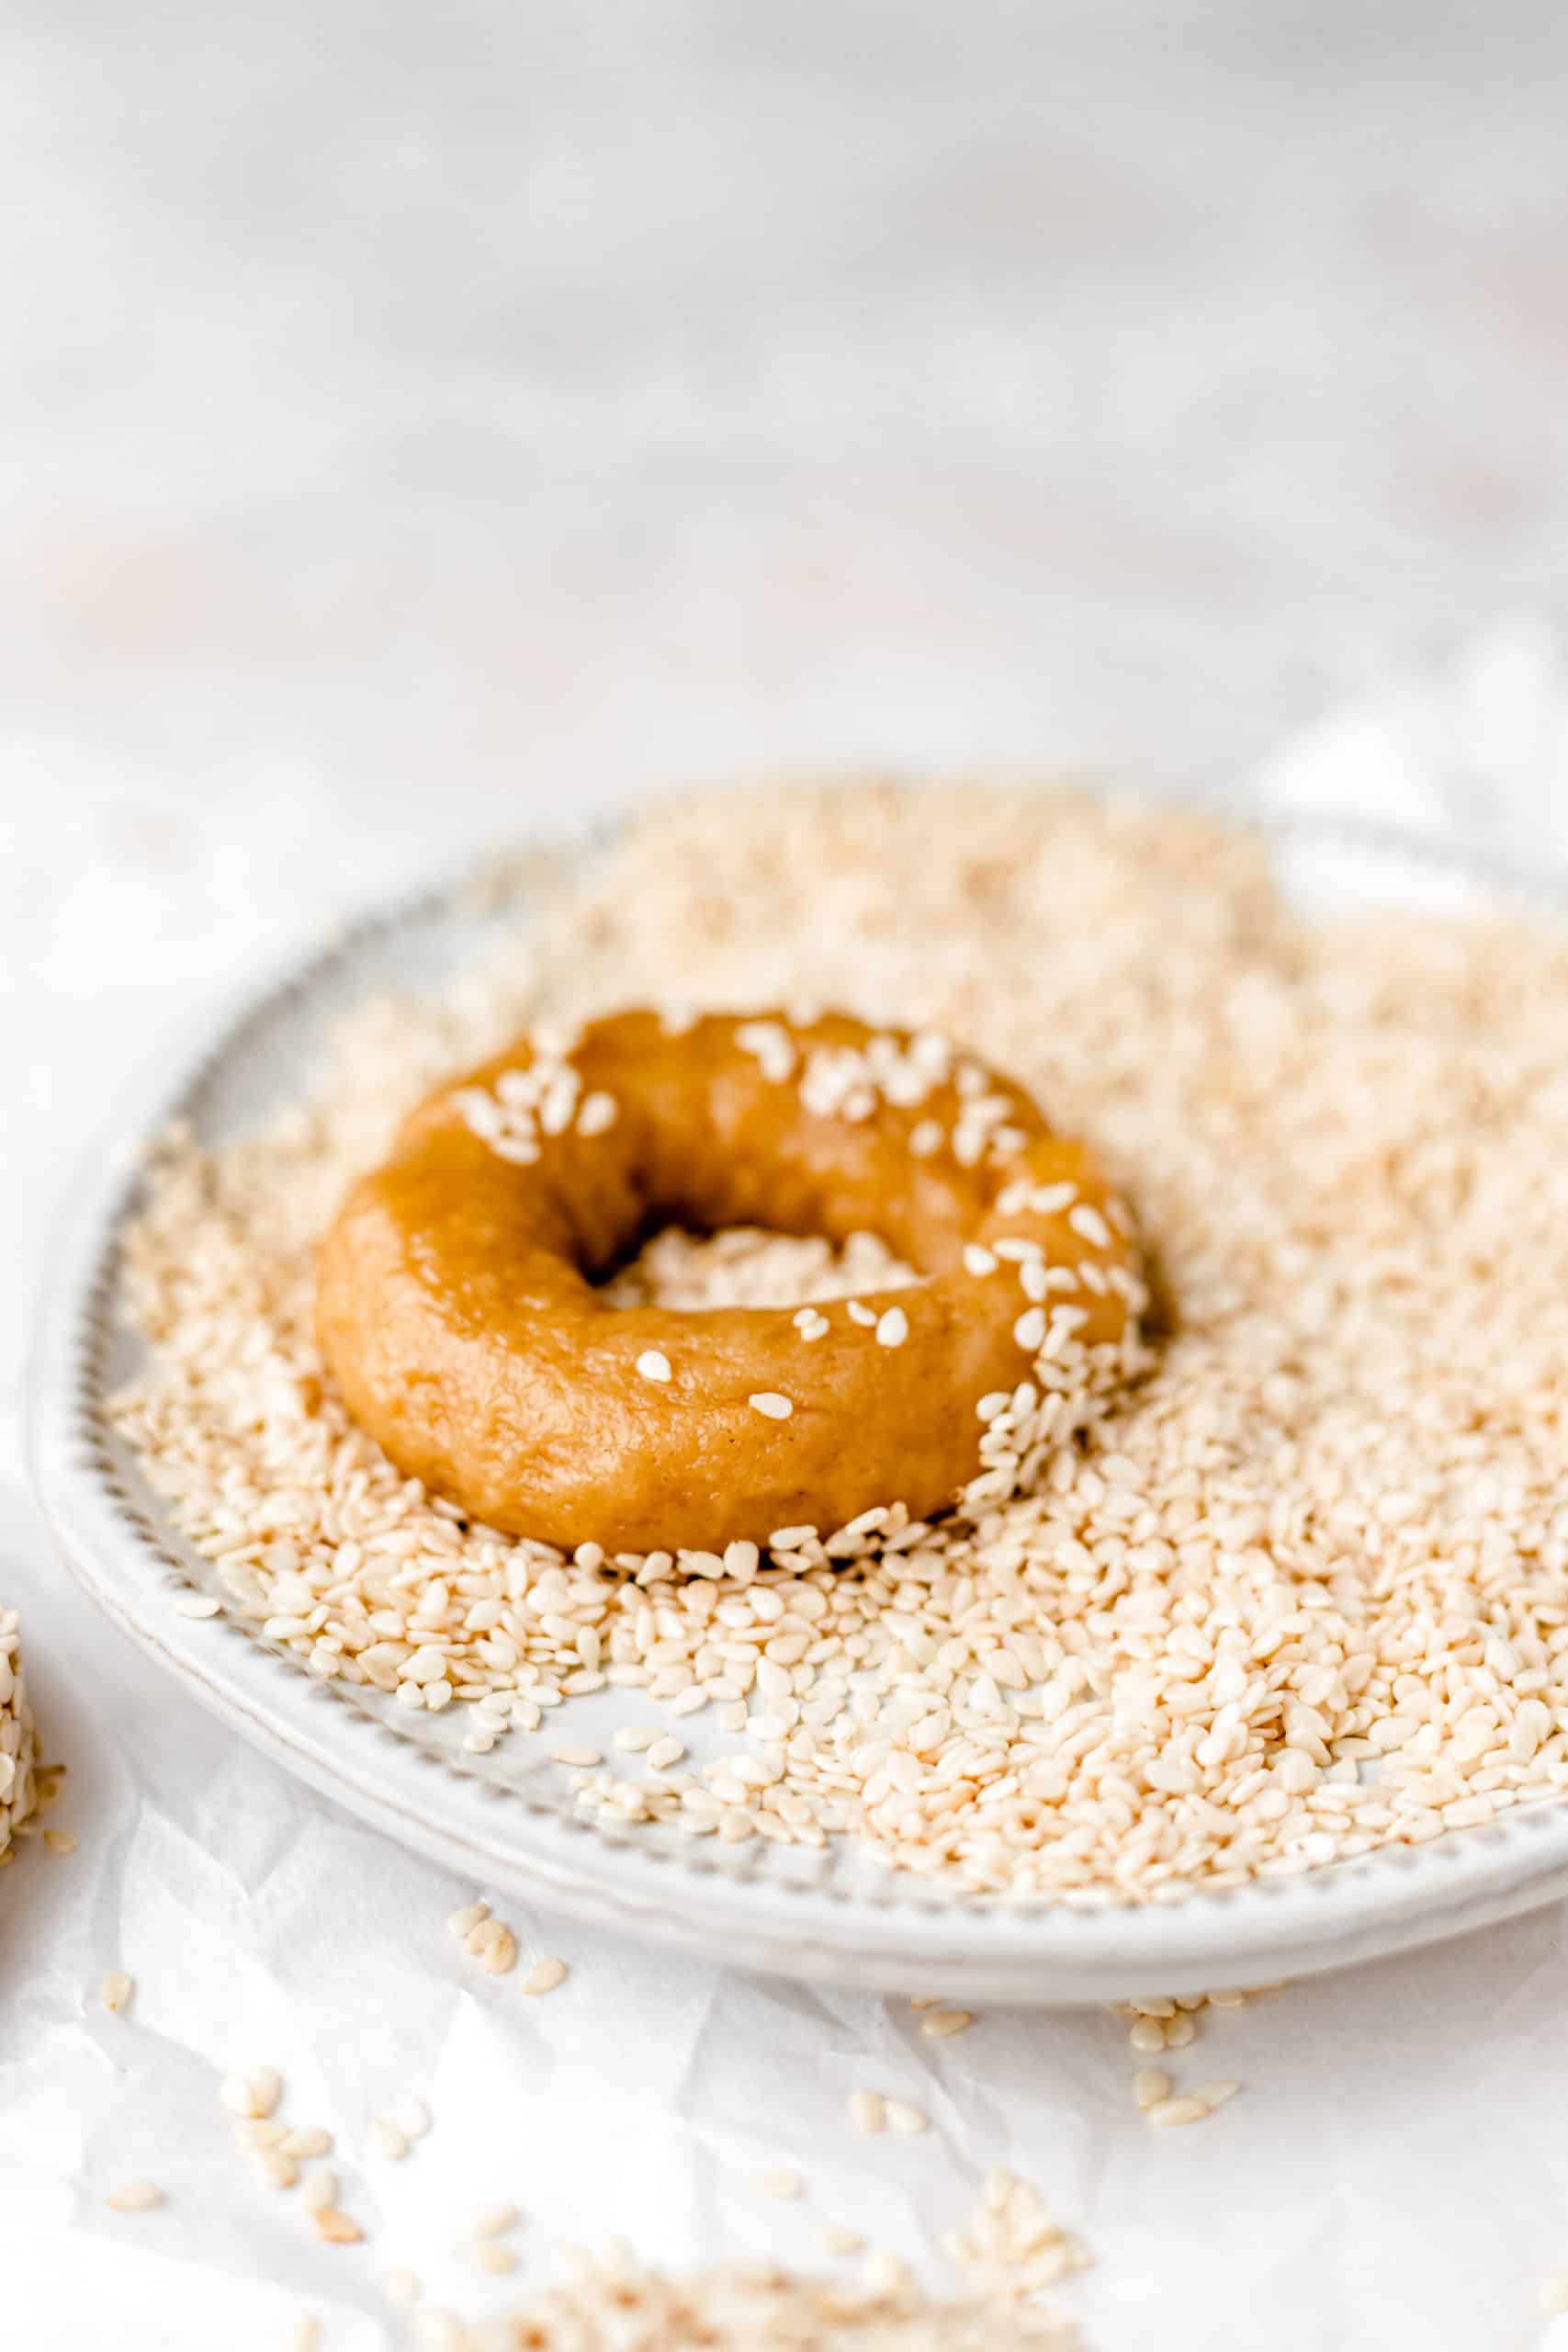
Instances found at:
x=507 y=1820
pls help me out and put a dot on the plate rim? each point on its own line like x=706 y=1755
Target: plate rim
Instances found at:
x=907 y=1938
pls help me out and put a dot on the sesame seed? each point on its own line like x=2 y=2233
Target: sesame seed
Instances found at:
x=868 y=2111
x=116 y=1990
x=493 y=2220
x=401 y=2288
x=196 y=1604
x=1091 y=1226
x=413 y=2117
x=545 y=1976
x=1030 y=1329
x=498 y=1957
x=462 y=1923
x=336 y=2227
x=307 y=2335
x=781 y=2183
x=496 y=2259
x=1147 y=2034
x=884 y=2273
x=836 y=2239
x=598 y=1115
x=941 y=2024
x=386 y=2138
x=858 y=1312
x=1171 y=2112
x=904 y=2116
x=979 y=1259
x=770 y=1404
x=1150 y=2087
x=59 y=1841
x=312 y=2141
x=892 y=1327
x=250 y=2095
x=584 y=1758
x=1216 y=2094
x=134 y=2197
x=665 y=1752
x=653 y=1365
x=320 y=2188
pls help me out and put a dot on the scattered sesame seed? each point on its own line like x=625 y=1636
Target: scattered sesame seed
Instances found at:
x=59 y=1841
x=904 y=2116
x=413 y=2117
x=836 y=2239
x=782 y=2183
x=545 y=1976
x=134 y=2197
x=336 y=2227
x=1148 y=2035
x=493 y=2220
x=116 y=1990
x=312 y=2141
x=320 y=2188
x=868 y=2111
x=498 y=1956
x=665 y=1752
x=770 y=1404
x=892 y=1327
x=1169 y=2111
x=497 y=2259
x=1216 y=2094
x=884 y=2273
x=598 y=1115
x=979 y=1259
x=196 y=1604
x=939 y=2025
x=386 y=2138
x=585 y=1758
x=1030 y=1329
x=462 y=1923
x=653 y=1365
x=307 y=2334
x=1087 y=1222
x=1150 y=2087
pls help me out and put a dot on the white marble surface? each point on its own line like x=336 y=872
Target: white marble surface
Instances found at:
x=416 y=425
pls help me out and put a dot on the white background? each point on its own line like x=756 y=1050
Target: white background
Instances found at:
x=418 y=425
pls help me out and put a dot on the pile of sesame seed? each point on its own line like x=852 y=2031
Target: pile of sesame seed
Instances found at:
x=16 y=1792
x=1297 y=1594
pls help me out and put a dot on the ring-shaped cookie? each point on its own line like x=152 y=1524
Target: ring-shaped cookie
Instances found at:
x=459 y=1313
